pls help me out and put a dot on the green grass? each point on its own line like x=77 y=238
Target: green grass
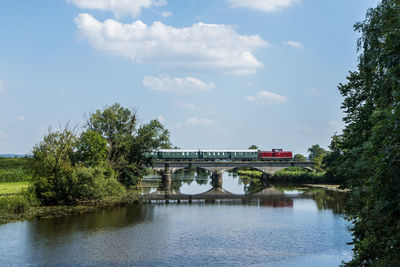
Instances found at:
x=12 y=188
x=249 y=173
x=290 y=175
x=15 y=204
x=15 y=170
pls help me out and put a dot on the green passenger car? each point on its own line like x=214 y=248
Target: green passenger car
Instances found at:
x=152 y=155
x=178 y=154
x=250 y=154
x=214 y=154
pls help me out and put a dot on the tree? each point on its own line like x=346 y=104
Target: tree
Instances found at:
x=253 y=147
x=91 y=149
x=52 y=166
x=315 y=151
x=317 y=154
x=117 y=125
x=299 y=157
x=367 y=154
x=126 y=143
x=67 y=168
x=149 y=137
x=153 y=136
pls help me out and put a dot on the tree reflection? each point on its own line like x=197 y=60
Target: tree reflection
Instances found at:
x=188 y=176
x=328 y=199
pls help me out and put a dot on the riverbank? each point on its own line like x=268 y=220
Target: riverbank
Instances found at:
x=19 y=207
x=296 y=176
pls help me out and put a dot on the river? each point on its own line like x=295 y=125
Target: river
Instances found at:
x=282 y=226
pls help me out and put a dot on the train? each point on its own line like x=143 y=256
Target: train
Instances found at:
x=276 y=154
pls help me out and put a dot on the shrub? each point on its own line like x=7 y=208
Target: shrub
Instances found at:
x=95 y=183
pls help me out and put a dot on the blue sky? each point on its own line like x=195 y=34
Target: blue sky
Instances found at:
x=221 y=74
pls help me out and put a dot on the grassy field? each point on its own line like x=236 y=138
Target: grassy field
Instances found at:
x=15 y=169
x=12 y=188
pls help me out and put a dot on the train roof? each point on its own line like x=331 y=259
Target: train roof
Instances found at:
x=178 y=150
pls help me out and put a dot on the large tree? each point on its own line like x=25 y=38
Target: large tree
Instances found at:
x=299 y=157
x=127 y=143
x=317 y=154
x=117 y=125
x=367 y=154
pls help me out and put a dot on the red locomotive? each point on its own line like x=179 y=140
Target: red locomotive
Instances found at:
x=275 y=154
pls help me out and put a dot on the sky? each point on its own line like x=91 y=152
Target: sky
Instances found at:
x=219 y=74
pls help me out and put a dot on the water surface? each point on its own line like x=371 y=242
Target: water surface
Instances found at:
x=291 y=228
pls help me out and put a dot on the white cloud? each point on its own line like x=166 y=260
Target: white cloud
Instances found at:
x=166 y=14
x=2 y=134
x=263 y=5
x=199 y=122
x=201 y=47
x=2 y=87
x=120 y=8
x=176 y=85
x=293 y=44
x=267 y=98
x=21 y=118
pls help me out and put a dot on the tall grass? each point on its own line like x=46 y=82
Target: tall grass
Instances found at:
x=15 y=204
x=15 y=169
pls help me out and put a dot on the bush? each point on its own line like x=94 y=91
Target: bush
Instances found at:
x=299 y=177
x=95 y=183
x=78 y=183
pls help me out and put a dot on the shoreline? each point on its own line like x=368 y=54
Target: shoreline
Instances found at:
x=65 y=210
x=107 y=203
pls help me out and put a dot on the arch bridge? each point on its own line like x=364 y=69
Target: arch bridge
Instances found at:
x=166 y=168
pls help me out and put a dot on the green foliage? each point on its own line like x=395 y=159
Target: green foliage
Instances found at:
x=91 y=149
x=15 y=163
x=15 y=175
x=13 y=204
x=54 y=154
x=68 y=168
x=15 y=169
x=300 y=176
x=299 y=157
x=367 y=154
x=94 y=183
x=17 y=204
x=253 y=147
x=128 y=144
x=117 y=125
x=317 y=154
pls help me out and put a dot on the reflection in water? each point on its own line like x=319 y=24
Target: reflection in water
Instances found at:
x=194 y=181
x=268 y=225
x=275 y=230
